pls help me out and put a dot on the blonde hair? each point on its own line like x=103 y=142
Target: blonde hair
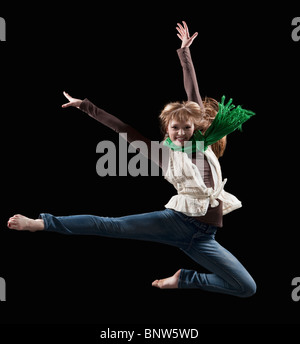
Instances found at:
x=202 y=118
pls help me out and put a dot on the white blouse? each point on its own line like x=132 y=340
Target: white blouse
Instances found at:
x=193 y=197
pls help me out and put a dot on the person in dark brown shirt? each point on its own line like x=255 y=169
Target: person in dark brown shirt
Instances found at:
x=194 y=236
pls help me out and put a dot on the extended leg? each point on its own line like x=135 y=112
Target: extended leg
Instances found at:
x=157 y=226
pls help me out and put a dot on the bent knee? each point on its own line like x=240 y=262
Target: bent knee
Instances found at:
x=248 y=289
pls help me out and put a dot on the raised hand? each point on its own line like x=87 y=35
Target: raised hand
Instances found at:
x=72 y=101
x=183 y=34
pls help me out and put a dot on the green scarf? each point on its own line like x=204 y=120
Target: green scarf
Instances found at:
x=228 y=119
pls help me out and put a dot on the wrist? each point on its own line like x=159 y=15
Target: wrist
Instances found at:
x=184 y=45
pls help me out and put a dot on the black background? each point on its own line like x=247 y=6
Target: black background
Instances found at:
x=123 y=58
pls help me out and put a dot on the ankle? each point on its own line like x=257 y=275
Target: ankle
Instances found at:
x=36 y=225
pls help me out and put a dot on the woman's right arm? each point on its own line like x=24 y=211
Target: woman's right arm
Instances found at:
x=103 y=117
x=113 y=123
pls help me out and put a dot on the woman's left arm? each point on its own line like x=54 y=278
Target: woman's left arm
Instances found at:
x=189 y=74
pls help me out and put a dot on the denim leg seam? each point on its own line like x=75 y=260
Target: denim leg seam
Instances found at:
x=192 y=240
x=224 y=271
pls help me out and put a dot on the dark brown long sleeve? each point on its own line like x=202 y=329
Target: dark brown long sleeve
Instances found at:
x=112 y=122
x=189 y=76
x=118 y=126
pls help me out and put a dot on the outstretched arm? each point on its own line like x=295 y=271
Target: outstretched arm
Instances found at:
x=117 y=125
x=189 y=74
x=99 y=115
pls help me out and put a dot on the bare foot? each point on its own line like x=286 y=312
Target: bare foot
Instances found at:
x=167 y=283
x=21 y=223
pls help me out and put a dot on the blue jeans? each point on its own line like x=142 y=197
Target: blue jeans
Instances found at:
x=170 y=227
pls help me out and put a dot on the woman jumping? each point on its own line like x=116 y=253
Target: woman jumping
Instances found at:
x=195 y=137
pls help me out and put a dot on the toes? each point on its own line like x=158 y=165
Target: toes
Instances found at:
x=13 y=218
x=13 y=222
x=155 y=283
x=11 y=225
x=16 y=216
x=158 y=283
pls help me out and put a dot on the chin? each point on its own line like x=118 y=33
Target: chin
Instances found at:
x=178 y=143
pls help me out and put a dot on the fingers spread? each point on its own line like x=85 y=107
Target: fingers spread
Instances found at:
x=180 y=26
x=194 y=35
x=179 y=30
x=186 y=28
x=67 y=95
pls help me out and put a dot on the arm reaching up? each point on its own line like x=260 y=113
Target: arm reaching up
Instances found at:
x=189 y=74
x=184 y=35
